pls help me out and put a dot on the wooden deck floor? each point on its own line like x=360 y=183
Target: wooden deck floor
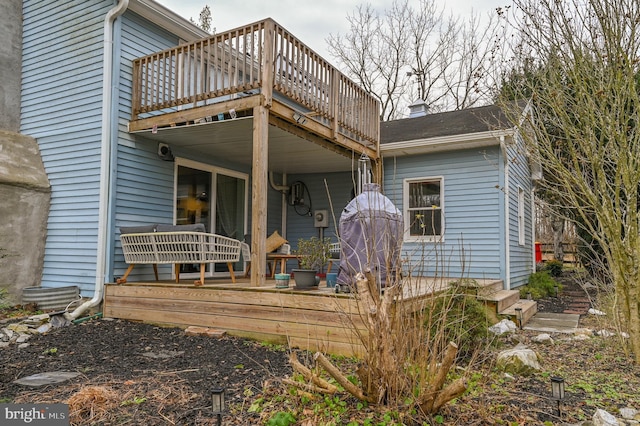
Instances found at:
x=316 y=319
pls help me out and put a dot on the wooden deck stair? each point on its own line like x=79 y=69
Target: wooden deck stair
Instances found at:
x=505 y=302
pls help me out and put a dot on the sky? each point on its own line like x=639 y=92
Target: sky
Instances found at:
x=311 y=21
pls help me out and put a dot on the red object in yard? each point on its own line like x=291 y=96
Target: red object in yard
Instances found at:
x=538 y=252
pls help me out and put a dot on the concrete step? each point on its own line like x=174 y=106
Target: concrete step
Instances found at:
x=483 y=287
x=501 y=299
x=550 y=322
x=529 y=309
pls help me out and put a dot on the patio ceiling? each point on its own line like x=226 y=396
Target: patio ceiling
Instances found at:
x=232 y=140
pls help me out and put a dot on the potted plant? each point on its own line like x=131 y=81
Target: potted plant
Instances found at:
x=313 y=254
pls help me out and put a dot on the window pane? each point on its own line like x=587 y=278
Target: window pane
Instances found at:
x=425 y=222
x=424 y=194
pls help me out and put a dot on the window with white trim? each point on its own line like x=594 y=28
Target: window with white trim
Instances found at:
x=423 y=207
x=521 y=221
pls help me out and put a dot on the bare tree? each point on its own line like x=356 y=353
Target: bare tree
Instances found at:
x=413 y=53
x=470 y=72
x=373 y=56
x=587 y=92
x=204 y=21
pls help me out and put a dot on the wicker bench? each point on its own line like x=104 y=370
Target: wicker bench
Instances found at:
x=177 y=245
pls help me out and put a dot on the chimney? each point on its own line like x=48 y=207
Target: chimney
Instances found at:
x=418 y=109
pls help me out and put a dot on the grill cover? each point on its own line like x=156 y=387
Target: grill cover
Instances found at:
x=371 y=230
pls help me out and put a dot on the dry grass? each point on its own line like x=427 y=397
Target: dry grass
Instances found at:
x=109 y=401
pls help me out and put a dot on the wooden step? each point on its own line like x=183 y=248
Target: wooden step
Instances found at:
x=502 y=299
x=483 y=287
x=529 y=309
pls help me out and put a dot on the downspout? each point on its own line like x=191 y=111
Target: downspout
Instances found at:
x=533 y=225
x=507 y=250
x=105 y=158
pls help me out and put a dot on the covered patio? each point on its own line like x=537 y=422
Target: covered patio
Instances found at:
x=258 y=97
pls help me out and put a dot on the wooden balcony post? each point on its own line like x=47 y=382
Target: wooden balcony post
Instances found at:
x=137 y=85
x=335 y=104
x=268 y=67
x=259 y=187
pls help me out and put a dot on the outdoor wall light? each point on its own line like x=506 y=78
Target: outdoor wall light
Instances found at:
x=519 y=317
x=217 y=402
x=557 y=391
x=300 y=119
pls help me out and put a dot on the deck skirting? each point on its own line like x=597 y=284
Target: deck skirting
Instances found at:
x=313 y=320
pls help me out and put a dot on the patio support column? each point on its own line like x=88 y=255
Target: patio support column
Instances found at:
x=260 y=163
x=259 y=187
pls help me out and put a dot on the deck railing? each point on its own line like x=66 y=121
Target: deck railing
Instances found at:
x=230 y=65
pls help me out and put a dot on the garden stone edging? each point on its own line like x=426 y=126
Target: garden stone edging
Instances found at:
x=20 y=331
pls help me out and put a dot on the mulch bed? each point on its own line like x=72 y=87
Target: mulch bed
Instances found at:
x=122 y=384
x=572 y=299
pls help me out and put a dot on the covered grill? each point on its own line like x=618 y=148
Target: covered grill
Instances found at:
x=371 y=230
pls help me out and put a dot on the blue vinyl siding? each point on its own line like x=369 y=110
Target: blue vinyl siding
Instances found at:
x=521 y=256
x=61 y=108
x=144 y=184
x=340 y=186
x=472 y=212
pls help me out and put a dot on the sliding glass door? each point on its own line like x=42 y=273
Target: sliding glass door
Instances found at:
x=215 y=197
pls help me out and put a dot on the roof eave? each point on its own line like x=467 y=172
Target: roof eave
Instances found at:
x=445 y=143
x=167 y=19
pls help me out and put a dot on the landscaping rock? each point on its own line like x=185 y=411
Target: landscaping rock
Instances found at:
x=543 y=338
x=519 y=360
x=47 y=378
x=163 y=354
x=504 y=326
x=604 y=418
x=18 y=328
x=628 y=413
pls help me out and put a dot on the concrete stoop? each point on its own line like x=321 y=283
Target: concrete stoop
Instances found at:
x=505 y=302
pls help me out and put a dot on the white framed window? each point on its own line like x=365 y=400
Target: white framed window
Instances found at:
x=424 y=208
x=521 y=221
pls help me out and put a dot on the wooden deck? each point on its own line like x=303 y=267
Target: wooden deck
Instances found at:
x=316 y=319
x=248 y=66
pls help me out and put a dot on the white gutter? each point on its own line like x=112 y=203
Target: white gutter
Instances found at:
x=507 y=252
x=442 y=143
x=105 y=158
x=167 y=19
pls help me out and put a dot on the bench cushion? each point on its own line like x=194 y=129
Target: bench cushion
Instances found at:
x=138 y=229
x=197 y=227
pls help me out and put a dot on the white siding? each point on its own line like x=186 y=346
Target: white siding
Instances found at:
x=61 y=108
x=472 y=212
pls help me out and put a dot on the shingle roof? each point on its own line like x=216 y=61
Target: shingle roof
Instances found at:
x=472 y=120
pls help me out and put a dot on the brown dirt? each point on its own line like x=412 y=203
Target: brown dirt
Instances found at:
x=120 y=385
